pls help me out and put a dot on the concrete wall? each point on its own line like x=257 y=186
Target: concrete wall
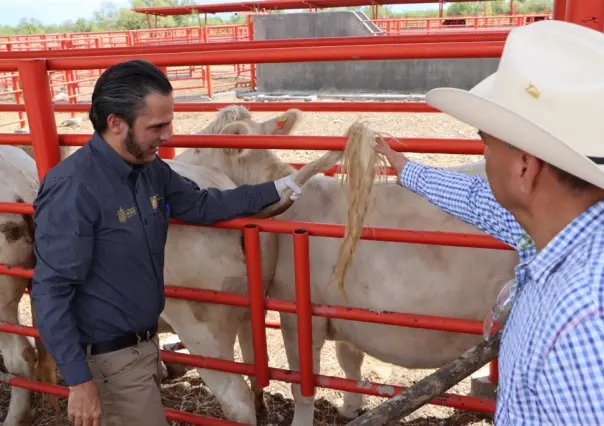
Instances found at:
x=384 y=77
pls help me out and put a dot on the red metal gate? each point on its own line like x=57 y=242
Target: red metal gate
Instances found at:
x=45 y=140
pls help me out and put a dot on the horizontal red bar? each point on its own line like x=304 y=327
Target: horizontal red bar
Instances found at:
x=15 y=139
x=327 y=143
x=364 y=387
x=247 y=6
x=468 y=36
x=264 y=106
x=63 y=392
x=334 y=231
x=431 y=322
x=453 y=50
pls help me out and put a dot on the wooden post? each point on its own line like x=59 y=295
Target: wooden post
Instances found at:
x=428 y=388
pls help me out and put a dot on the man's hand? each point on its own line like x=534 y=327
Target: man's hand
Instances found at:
x=396 y=159
x=84 y=405
x=288 y=182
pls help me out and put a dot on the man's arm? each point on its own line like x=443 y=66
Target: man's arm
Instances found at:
x=469 y=198
x=192 y=204
x=64 y=217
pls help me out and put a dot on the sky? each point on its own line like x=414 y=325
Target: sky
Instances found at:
x=57 y=11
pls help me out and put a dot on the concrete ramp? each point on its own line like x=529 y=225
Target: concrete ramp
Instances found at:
x=346 y=77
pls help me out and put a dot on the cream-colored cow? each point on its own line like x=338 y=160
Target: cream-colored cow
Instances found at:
x=19 y=179
x=214 y=259
x=384 y=276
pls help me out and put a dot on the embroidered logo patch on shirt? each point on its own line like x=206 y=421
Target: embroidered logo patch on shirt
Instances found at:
x=124 y=214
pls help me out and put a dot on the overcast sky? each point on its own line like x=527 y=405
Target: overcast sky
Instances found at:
x=58 y=11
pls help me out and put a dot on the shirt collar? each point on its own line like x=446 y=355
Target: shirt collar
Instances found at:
x=566 y=241
x=123 y=168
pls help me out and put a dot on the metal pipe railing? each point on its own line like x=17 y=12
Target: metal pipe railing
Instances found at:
x=46 y=141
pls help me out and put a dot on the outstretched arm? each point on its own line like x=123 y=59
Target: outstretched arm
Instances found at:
x=192 y=204
x=469 y=198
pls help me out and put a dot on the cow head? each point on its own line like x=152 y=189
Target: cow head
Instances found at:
x=242 y=165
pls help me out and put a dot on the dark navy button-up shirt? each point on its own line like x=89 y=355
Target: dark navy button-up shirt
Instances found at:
x=100 y=233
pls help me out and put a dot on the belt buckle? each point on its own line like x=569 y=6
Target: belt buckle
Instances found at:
x=146 y=335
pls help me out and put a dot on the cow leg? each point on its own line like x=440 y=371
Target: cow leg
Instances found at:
x=213 y=334
x=351 y=361
x=19 y=360
x=46 y=370
x=247 y=351
x=304 y=405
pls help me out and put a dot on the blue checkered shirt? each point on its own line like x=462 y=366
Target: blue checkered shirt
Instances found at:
x=551 y=359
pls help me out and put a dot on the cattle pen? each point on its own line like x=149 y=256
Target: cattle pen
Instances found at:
x=32 y=70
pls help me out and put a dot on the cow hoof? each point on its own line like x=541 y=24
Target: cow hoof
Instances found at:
x=175 y=371
x=349 y=413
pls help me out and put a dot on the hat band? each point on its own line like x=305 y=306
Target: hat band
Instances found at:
x=597 y=160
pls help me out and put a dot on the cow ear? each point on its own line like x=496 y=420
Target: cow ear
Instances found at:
x=236 y=128
x=282 y=124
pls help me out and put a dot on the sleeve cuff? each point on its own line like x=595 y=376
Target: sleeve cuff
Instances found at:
x=268 y=193
x=76 y=372
x=410 y=175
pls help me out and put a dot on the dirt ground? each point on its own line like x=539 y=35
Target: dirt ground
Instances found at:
x=188 y=392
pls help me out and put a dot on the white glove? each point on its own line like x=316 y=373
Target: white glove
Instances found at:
x=288 y=182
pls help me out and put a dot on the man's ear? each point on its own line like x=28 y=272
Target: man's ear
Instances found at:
x=116 y=125
x=282 y=124
x=236 y=128
x=532 y=168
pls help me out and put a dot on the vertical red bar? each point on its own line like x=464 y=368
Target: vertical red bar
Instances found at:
x=166 y=152
x=304 y=312
x=251 y=234
x=40 y=114
x=588 y=13
x=16 y=88
x=559 y=10
x=494 y=371
x=209 y=80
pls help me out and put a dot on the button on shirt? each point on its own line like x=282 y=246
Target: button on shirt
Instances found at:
x=551 y=357
x=100 y=232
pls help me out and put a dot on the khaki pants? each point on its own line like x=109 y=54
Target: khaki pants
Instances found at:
x=129 y=384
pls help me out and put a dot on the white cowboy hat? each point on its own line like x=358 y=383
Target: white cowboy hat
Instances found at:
x=546 y=98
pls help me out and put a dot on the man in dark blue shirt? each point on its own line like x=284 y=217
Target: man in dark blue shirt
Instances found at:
x=101 y=219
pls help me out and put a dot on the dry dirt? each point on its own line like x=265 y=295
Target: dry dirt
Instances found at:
x=188 y=393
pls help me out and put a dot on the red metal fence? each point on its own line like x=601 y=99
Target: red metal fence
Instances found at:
x=33 y=75
x=45 y=140
x=75 y=85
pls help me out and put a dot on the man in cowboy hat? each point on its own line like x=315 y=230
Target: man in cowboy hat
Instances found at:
x=541 y=117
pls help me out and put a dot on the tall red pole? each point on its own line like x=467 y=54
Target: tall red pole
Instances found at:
x=589 y=13
x=40 y=114
x=251 y=235
x=559 y=10
x=304 y=311
x=167 y=152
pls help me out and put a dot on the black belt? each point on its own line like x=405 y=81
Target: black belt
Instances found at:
x=122 y=342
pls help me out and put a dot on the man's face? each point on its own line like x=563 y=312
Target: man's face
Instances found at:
x=152 y=127
x=512 y=174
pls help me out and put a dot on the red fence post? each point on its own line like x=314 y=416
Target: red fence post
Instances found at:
x=40 y=114
x=166 y=152
x=304 y=311
x=559 y=10
x=588 y=13
x=251 y=234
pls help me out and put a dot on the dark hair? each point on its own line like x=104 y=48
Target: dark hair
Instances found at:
x=572 y=182
x=122 y=89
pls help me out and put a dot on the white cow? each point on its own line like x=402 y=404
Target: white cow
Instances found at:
x=385 y=276
x=19 y=179
x=214 y=259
